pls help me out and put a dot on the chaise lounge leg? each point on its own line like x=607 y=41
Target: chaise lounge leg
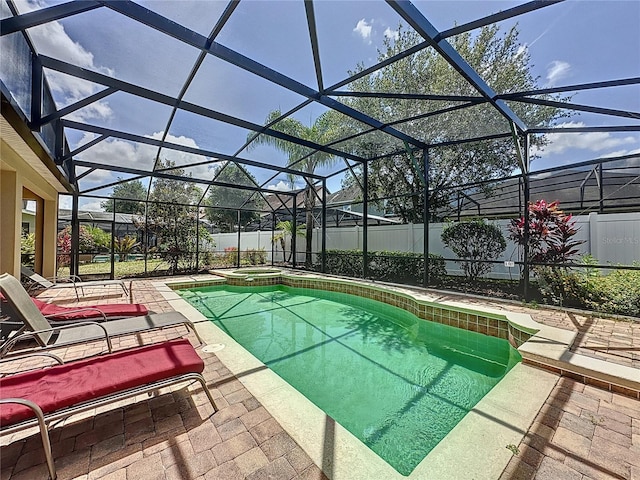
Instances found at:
x=44 y=432
x=203 y=383
x=193 y=329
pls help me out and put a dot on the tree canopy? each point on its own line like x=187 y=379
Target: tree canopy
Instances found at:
x=172 y=216
x=126 y=195
x=500 y=60
x=233 y=198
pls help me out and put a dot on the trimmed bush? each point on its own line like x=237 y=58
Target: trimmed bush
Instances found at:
x=474 y=241
x=618 y=292
x=397 y=267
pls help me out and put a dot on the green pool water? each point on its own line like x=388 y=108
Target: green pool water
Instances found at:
x=398 y=383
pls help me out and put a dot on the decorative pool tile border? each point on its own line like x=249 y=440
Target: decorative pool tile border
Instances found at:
x=487 y=323
x=467 y=319
x=472 y=320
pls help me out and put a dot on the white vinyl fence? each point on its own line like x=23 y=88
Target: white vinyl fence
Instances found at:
x=610 y=238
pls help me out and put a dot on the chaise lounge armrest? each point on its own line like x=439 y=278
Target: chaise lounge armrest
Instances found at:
x=22 y=357
x=6 y=346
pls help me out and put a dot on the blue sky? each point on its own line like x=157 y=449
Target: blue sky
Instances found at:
x=569 y=43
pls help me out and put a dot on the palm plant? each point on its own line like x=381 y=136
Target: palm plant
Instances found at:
x=124 y=246
x=286 y=231
x=323 y=131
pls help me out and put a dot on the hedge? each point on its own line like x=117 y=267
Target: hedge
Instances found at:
x=396 y=267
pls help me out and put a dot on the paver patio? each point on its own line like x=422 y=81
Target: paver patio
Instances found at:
x=582 y=432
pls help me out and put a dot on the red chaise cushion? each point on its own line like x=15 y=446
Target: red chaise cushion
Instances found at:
x=59 y=312
x=110 y=310
x=61 y=386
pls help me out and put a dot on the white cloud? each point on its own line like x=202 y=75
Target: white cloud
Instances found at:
x=86 y=204
x=593 y=141
x=281 y=186
x=183 y=159
x=98 y=109
x=97 y=176
x=364 y=30
x=93 y=206
x=391 y=34
x=118 y=152
x=620 y=153
x=557 y=71
x=52 y=40
x=65 y=202
x=181 y=140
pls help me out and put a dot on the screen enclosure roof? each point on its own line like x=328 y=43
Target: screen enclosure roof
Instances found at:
x=193 y=89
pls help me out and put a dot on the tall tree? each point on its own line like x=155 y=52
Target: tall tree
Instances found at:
x=504 y=65
x=172 y=217
x=233 y=198
x=126 y=195
x=324 y=130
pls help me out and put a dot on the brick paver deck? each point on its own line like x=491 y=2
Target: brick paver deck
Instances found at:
x=172 y=436
x=612 y=339
x=581 y=433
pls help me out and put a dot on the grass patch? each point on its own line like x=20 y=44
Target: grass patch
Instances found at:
x=122 y=269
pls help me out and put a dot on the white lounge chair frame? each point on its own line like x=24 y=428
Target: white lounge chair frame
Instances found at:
x=72 y=281
x=50 y=336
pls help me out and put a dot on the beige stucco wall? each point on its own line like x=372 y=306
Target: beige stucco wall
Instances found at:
x=20 y=169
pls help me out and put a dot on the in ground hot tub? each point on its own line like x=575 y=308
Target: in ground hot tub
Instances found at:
x=251 y=275
x=256 y=271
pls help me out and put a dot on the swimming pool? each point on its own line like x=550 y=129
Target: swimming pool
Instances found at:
x=398 y=383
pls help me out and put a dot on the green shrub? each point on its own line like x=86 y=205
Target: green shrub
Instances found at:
x=124 y=246
x=230 y=256
x=206 y=259
x=347 y=263
x=474 y=241
x=28 y=244
x=101 y=239
x=398 y=267
x=28 y=249
x=559 y=285
x=616 y=293
x=254 y=256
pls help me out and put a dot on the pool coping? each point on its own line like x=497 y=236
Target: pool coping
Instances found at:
x=540 y=345
x=476 y=447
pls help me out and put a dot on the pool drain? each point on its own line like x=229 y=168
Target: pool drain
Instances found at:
x=216 y=347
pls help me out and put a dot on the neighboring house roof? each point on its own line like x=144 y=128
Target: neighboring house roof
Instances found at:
x=345 y=196
x=85 y=216
x=620 y=191
x=376 y=218
x=107 y=217
x=281 y=201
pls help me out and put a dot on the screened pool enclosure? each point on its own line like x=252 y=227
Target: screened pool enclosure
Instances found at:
x=336 y=136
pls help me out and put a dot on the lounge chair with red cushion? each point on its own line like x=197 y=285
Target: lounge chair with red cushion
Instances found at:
x=50 y=394
x=72 y=281
x=110 y=310
x=59 y=313
x=47 y=335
